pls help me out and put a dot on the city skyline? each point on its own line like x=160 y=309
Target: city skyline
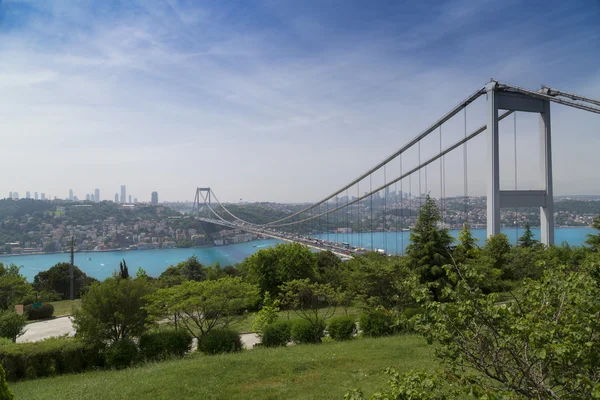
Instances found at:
x=278 y=101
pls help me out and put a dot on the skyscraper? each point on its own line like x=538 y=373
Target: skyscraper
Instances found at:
x=135 y=200
x=97 y=195
x=92 y=198
x=123 y=193
x=71 y=194
x=154 y=197
x=28 y=194
x=35 y=195
x=10 y=195
x=43 y=196
x=129 y=199
x=116 y=197
x=87 y=196
x=16 y=195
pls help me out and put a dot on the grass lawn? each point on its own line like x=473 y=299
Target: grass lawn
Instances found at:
x=65 y=307
x=245 y=325
x=324 y=371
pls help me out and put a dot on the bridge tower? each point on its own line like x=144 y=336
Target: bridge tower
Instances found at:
x=202 y=198
x=501 y=98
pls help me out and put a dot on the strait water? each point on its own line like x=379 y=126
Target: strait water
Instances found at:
x=102 y=264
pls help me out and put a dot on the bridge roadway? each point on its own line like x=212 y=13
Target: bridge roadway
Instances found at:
x=317 y=244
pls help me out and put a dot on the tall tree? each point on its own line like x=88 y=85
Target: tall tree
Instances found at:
x=467 y=245
x=526 y=239
x=428 y=249
x=123 y=270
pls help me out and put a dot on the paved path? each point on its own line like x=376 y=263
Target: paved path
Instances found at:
x=37 y=331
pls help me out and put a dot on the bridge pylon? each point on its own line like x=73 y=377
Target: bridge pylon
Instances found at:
x=502 y=98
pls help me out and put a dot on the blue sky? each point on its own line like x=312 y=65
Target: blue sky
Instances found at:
x=274 y=100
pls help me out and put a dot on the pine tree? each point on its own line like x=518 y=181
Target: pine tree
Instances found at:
x=467 y=247
x=527 y=240
x=124 y=271
x=428 y=248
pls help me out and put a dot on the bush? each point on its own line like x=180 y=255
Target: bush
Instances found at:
x=121 y=354
x=49 y=357
x=5 y=341
x=220 y=341
x=162 y=344
x=12 y=324
x=5 y=392
x=304 y=331
x=277 y=334
x=342 y=328
x=45 y=311
x=377 y=322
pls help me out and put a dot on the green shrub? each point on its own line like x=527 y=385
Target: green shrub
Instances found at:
x=5 y=392
x=304 y=331
x=12 y=324
x=48 y=357
x=5 y=341
x=220 y=341
x=162 y=344
x=277 y=334
x=377 y=322
x=45 y=311
x=342 y=328
x=121 y=354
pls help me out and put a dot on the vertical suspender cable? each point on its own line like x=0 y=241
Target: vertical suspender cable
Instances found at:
x=385 y=192
x=516 y=186
x=441 y=181
x=396 y=198
x=419 y=160
x=358 y=215
x=465 y=170
x=327 y=219
x=371 y=207
x=347 y=218
x=409 y=199
x=335 y=218
x=401 y=206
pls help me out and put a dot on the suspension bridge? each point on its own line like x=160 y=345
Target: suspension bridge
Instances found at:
x=347 y=208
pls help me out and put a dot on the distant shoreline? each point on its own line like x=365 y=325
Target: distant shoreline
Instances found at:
x=41 y=253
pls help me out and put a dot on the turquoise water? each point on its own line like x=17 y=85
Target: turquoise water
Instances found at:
x=396 y=242
x=102 y=264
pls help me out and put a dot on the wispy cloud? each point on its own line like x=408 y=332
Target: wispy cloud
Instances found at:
x=263 y=101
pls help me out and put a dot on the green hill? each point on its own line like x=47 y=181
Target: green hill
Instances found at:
x=323 y=371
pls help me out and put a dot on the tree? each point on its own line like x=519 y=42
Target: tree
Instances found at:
x=328 y=268
x=202 y=306
x=13 y=286
x=267 y=314
x=113 y=309
x=467 y=247
x=526 y=239
x=50 y=247
x=314 y=302
x=123 y=270
x=190 y=269
x=544 y=344
x=428 y=248
x=57 y=279
x=12 y=325
x=270 y=268
x=594 y=240
x=497 y=248
x=377 y=279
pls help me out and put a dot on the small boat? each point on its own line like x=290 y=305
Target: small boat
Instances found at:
x=89 y=258
x=254 y=246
